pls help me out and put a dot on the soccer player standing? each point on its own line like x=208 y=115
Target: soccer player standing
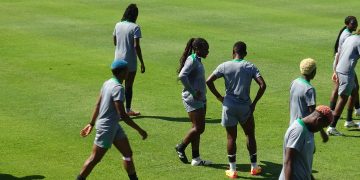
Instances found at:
x=345 y=72
x=298 y=147
x=237 y=105
x=192 y=76
x=350 y=26
x=127 y=36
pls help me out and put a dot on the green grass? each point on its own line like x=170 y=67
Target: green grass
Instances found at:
x=55 y=55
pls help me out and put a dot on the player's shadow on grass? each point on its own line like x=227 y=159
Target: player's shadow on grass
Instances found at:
x=11 y=177
x=270 y=170
x=176 y=119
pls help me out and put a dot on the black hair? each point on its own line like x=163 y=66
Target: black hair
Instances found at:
x=131 y=13
x=192 y=45
x=348 y=20
x=118 y=71
x=240 y=48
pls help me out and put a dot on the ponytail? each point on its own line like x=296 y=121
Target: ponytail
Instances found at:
x=187 y=52
x=131 y=13
x=192 y=45
x=348 y=20
x=337 y=40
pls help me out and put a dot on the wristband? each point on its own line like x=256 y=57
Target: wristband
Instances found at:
x=91 y=124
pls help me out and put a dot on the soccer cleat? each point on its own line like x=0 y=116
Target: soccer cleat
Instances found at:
x=133 y=113
x=200 y=162
x=231 y=174
x=357 y=112
x=351 y=124
x=256 y=170
x=333 y=132
x=181 y=154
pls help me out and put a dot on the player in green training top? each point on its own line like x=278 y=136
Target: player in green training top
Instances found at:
x=192 y=76
x=298 y=147
x=108 y=111
x=127 y=36
x=350 y=26
x=303 y=94
x=237 y=105
x=345 y=72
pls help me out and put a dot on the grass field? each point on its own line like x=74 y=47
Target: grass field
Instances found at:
x=55 y=55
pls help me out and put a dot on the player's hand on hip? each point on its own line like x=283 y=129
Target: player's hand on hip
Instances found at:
x=86 y=131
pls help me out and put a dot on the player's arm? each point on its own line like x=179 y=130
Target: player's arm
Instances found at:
x=334 y=76
x=87 y=129
x=183 y=77
x=337 y=59
x=211 y=86
x=324 y=136
x=139 y=54
x=288 y=162
x=119 y=105
x=262 y=87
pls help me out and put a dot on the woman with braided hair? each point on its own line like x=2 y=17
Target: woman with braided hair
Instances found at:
x=127 y=36
x=350 y=26
x=192 y=76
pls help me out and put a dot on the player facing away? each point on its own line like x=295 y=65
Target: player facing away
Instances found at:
x=303 y=94
x=109 y=109
x=237 y=106
x=298 y=147
x=345 y=72
x=127 y=36
x=192 y=76
x=350 y=26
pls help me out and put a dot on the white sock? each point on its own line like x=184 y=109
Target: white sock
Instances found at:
x=196 y=159
x=232 y=166
x=253 y=165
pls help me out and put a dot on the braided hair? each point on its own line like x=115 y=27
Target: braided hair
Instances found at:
x=192 y=45
x=131 y=13
x=348 y=20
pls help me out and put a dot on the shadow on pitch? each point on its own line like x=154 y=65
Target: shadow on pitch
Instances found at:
x=270 y=170
x=175 y=119
x=11 y=177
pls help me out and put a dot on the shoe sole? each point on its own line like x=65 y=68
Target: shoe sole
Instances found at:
x=202 y=163
x=234 y=176
x=255 y=174
x=330 y=134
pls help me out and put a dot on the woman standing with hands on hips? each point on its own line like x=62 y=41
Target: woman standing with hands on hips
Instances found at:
x=237 y=105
